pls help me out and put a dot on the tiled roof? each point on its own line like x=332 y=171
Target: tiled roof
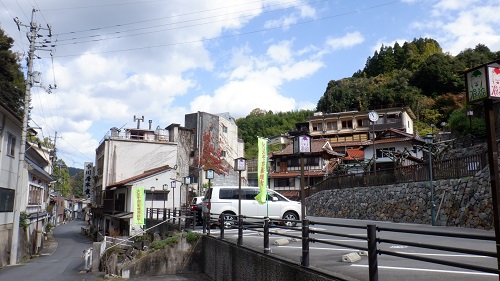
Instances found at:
x=146 y=174
x=353 y=154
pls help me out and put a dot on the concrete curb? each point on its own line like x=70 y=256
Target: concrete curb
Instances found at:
x=49 y=246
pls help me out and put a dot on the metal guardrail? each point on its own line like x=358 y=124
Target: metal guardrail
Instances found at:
x=308 y=236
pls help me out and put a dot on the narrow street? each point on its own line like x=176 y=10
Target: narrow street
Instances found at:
x=60 y=260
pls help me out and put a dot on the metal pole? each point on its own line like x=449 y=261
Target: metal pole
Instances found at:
x=240 y=218
x=431 y=185
x=494 y=177
x=305 y=242
x=374 y=151
x=22 y=150
x=372 y=252
x=173 y=204
x=302 y=189
x=266 y=235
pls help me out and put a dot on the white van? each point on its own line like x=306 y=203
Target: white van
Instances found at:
x=224 y=200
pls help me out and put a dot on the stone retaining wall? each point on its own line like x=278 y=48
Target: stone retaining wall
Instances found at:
x=464 y=202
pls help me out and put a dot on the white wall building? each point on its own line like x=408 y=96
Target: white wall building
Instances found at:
x=10 y=139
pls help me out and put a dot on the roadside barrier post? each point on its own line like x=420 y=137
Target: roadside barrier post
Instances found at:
x=266 y=235
x=221 y=226
x=240 y=230
x=305 y=243
x=372 y=252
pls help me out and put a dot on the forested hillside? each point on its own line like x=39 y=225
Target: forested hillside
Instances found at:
x=11 y=78
x=417 y=74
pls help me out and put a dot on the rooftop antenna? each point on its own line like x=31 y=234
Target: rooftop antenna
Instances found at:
x=139 y=120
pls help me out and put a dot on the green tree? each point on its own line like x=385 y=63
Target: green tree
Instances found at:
x=76 y=183
x=439 y=74
x=481 y=54
x=61 y=176
x=12 y=85
x=260 y=123
x=459 y=122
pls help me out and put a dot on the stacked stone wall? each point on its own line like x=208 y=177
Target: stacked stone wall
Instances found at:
x=464 y=202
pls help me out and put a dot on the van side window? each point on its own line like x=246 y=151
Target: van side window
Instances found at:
x=229 y=193
x=249 y=194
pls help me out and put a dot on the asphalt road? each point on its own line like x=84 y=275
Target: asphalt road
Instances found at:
x=329 y=257
x=63 y=261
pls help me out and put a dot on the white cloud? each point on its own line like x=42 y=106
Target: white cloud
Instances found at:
x=461 y=24
x=281 y=52
x=349 y=40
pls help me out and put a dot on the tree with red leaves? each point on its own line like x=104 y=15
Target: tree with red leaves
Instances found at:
x=211 y=155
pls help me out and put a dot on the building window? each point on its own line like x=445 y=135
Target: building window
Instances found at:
x=331 y=125
x=347 y=124
x=360 y=122
x=223 y=154
x=385 y=152
x=6 y=200
x=287 y=182
x=35 y=195
x=293 y=162
x=317 y=127
x=312 y=161
x=224 y=129
x=11 y=145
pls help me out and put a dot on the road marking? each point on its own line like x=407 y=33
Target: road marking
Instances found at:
x=429 y=270
x=445 y=255
x=318 y=248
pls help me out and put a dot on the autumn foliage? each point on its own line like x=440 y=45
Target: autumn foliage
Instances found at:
x=211 y=154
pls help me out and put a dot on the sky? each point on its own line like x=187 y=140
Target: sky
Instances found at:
x=161 y=59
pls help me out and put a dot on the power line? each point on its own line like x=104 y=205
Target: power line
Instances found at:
x=234 y=35
x=187 y=14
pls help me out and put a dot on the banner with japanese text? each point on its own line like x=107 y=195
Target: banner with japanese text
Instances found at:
x=138 y=203
x=262 y=170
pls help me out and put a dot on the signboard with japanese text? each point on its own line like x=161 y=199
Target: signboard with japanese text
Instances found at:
x=483 y=83
x=87 y=178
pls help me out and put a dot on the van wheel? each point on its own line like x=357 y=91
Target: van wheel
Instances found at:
x=229 y=219
x=290 y=216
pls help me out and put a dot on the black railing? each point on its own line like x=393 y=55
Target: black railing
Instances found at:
x=175 y=216
x=372 y=239
x=442 y=169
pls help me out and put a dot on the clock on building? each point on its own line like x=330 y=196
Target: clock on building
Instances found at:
x=373 y=116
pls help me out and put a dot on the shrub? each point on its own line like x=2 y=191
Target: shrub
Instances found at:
x=23 y=220
x=163 y=243
x=192 y=237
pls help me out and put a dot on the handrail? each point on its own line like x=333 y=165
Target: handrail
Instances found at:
x=372 y=241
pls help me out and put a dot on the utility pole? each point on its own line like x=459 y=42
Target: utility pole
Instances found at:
x=21 y=171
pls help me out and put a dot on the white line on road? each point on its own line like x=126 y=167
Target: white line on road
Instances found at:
x=445 y=255
x=429 y=270
x=318 y=248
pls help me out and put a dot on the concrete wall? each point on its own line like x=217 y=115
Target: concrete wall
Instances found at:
x=464 y=202
x=227 y=261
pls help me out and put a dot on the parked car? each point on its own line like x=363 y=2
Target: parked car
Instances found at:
x=224 y=200
x=196 y=208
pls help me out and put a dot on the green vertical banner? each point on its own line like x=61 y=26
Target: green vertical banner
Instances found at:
x=262 y=170
x=138 y=201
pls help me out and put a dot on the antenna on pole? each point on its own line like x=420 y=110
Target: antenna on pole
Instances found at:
x=139 y=120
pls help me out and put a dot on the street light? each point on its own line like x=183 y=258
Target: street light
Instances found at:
x=240 y=164
x=152 y=195
x=301 y=145
x=172 y=185
x=187 y=182
x=429 y=140
x=470 y=113
x=165 y=187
